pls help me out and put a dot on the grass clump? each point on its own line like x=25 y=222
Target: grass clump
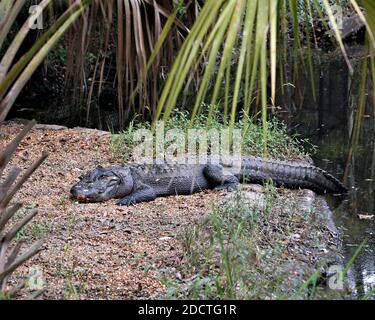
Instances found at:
x=252 y=248
x=279 y=143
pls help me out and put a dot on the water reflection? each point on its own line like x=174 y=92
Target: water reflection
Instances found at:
x=328 y=123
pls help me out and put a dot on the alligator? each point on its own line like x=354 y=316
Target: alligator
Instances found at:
x=134 y=183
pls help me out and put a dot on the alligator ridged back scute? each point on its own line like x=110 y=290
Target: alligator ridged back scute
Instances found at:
x=137 y=166
x=281 y=162
x=293 y=174
x=161 y=168
x=334 y=181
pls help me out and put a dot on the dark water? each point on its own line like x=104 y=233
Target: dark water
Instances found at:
x=328 y=124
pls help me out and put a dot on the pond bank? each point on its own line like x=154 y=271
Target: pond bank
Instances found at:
x=261 y=243
x=328 y=123
x=103 y=251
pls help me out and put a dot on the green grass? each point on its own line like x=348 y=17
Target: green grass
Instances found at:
x=34 y=230
x=244 y=249
x=280 y=144
x=66 y=268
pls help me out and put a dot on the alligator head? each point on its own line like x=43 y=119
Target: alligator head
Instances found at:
x=102 y=184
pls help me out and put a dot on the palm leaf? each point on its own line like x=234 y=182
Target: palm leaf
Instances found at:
x=7 y=102
x=218 y=29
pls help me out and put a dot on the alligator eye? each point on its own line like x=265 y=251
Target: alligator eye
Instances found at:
x=113 y=182
x=110 y=178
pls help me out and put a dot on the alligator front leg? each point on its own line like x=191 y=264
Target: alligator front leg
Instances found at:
x=143 y=194
x=219 y=180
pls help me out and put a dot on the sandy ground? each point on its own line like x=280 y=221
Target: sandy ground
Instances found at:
x=98 y=250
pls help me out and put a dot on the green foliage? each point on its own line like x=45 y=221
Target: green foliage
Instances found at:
x=252 y=39
x=280 y=143
x=56 y=57
x=230 y=47
x=240 y=251
x=15 y=74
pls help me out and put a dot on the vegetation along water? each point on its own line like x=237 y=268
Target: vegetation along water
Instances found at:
x=295 y=78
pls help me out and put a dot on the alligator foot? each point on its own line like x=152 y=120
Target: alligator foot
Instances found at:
x=144 y=194
x=227 y=187
x=127 y=201
x=215 y=174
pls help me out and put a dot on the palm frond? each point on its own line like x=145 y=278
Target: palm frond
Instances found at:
x=216 y=33
x=147 y=34
x=14 y=77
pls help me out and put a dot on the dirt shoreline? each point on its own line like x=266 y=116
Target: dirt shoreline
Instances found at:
x=97 y=251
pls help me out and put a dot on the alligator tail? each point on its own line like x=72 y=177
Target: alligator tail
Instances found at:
x=291 y=174
x=331 y=184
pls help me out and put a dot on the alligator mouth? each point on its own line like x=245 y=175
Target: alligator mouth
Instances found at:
x=81 y=198
x=78 y=196
x=85 y=199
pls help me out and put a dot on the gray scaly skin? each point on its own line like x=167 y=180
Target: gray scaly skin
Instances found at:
x=135 y=183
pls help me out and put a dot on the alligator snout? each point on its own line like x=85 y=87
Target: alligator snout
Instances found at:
x=80 y=194
x=75 y=194
x=87 y=193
